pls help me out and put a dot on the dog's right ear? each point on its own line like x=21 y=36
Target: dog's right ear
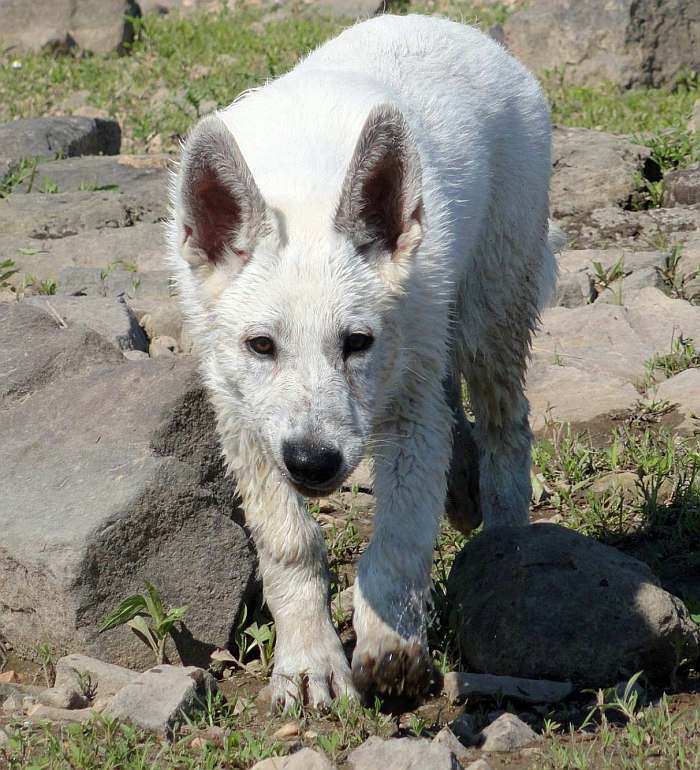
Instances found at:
x=221 y=213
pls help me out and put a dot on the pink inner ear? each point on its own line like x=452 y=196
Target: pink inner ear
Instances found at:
x=217 y=217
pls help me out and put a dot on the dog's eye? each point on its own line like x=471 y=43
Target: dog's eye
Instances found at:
x=263 y=346
x=357 y=343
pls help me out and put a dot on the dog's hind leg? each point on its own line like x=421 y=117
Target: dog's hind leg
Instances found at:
x=498 y=314
x=462 y=503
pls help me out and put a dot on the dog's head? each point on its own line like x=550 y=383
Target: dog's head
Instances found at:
x=302 y=336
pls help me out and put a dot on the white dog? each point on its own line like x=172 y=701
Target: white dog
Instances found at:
x=349 y=241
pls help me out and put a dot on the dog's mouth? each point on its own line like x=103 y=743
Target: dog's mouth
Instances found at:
x=308 y=491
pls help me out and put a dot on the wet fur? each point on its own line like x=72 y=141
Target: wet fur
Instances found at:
x=450 y=280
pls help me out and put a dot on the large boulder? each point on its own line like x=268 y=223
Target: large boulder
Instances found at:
x=546 y=602
x=99 y=26
x=112 y=476
x=630 y=42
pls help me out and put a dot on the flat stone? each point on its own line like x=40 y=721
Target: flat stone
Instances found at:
x=42 y=713
x=637 y=229
x=107 y=678
x=554 y=393
x=683 y=391
x=99 y=26
x=92 y=173
x=141 y=248
x=59 y=215
x=546 y=602
x=581 y=260
x=622 y=290
x=458 y=686
x=163 y=698
x=402 y=754
x=615 y=340
x=53 y=137
x=682 y=187
x=143 y=290
x=507 y=733
x=304 y=759
x=137 y=492
x=110 y=318
x=591 y=169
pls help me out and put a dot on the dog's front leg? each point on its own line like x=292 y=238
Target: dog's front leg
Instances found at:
x=393 y=582
x=310 y=664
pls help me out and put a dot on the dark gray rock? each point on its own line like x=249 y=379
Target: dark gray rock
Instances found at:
x=163 y=698
x=402 y=754
x=36 y=351
x=53 y=137
x=110 y=318
x=121 y=173
x=682 y=188
x=545 y=602
x=61 y=215
x=631 y=42
x=593 y=169
x=112 y=476
x=99 y=26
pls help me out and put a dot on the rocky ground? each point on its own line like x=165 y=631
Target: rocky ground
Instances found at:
x=111 y=474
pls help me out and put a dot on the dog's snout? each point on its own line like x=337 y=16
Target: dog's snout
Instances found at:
x=311 y=464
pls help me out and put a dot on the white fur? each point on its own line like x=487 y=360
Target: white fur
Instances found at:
x=466 y=301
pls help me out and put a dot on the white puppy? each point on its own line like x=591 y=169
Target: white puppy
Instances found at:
x=349 y=241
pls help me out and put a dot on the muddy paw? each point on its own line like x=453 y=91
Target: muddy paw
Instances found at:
x=400 y=672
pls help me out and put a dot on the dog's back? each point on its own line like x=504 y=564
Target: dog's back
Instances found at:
x=478 y=117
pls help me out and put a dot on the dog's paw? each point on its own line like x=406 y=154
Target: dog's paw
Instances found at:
x=313 y=681
x=394 y=669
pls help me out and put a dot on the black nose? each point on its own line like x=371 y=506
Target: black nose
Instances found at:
x=311 y=464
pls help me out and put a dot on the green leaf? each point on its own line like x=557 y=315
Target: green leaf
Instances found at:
x=154 y=604
x=139 y=625
x=125 y=612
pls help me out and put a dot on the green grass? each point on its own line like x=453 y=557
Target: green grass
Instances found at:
x=180 y=68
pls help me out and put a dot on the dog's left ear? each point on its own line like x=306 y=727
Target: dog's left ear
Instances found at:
x=380 y=206
x=220 y=211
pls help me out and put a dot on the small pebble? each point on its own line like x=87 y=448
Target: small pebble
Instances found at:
x=287 y=731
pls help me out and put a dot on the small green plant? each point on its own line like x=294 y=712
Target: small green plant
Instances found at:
x=258 y=636
x=47 y=287
x=46 y=660
x=48 y=186
x=610 y=278
x=148 y=618
x=24 y=171
x=8 y=268
x=675 y=280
